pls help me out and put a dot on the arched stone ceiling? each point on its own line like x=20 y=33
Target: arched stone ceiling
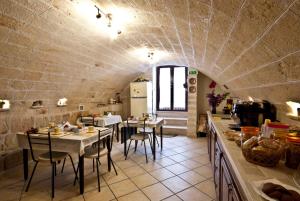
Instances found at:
x=51 y=48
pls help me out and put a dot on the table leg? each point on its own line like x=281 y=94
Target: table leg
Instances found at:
x=81 y=174
x=108 y=144
x=124 y=134
x=117 y=129
x=161 y=138
x=153 y=145
x=25 y=163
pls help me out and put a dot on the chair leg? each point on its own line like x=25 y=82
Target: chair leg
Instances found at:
x=113 y=164
x=157 y=141
x=55 y=169
x=145 y=151
x=136 y=142
x=75 y=172
x=31 y=176
x=63 y=166
x=76 y=175
x=52 y=179
x=128 y=150
x=97 y=165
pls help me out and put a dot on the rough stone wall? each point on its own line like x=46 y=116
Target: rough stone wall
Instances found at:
x=50 y=50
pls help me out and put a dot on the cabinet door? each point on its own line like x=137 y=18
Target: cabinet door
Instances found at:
x=228 y=192
x=209 y=143
x=217 y=164
x=225 y=182
x=234 y=195
x=213 y=139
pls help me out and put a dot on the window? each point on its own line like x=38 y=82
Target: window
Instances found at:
x=171 y=88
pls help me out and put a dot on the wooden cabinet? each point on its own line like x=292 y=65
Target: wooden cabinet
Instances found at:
x=228 y=190
x=225 y=185
x=217 y=165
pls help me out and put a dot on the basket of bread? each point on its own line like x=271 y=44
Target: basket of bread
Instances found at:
x=262 y=151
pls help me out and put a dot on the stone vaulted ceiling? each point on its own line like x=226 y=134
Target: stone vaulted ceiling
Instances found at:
x=50 y=48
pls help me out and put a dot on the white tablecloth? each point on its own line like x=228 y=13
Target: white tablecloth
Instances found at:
x=107 y=120
x=102 y=121
x=71 y=142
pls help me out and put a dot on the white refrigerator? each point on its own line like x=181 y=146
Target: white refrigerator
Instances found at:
x=141 y=98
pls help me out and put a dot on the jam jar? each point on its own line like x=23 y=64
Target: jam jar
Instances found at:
x=293 y=151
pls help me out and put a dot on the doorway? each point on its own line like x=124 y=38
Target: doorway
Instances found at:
x=171 y=88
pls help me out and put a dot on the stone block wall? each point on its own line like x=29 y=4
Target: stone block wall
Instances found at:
x=54 y=49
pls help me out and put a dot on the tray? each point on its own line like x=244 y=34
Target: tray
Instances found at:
x=257 y=185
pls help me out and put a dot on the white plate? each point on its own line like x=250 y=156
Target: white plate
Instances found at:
x=257 y=185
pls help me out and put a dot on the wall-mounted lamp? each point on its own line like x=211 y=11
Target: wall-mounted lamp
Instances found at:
x=62 y=102
x=295 y=109
x=4 y=105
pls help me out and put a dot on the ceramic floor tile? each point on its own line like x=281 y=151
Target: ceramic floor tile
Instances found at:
x=176 y=184
x=134 y=171
x=192 y=177
x=94 y=195
x=177 y=168
x=123 y=188
x=172 y=198
x=190 y=164
x=162 y=174
x=165 y=162
x=178 y=157
x=111 y=177
x=123 y=164
x=150 y=166
x=144 y=180
x=135 y=196
x=193 y=194
x=208 y=188
x=204 y=171
x=157 y=192
x=203 y=159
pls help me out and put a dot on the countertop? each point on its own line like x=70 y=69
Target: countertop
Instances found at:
x=245 y=171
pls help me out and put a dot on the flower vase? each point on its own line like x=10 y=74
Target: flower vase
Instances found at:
x=213 y=109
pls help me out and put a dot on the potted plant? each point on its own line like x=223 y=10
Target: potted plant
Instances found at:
x=214 y=99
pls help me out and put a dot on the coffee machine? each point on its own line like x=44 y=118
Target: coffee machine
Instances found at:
x=254 y=113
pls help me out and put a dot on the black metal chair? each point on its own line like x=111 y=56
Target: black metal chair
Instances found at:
x=141 y=135
x=97 y=150
x=54 y=157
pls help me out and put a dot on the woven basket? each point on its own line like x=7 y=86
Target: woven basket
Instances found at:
x=266 y=159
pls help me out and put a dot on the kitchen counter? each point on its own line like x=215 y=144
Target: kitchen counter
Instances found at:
x=246 y=173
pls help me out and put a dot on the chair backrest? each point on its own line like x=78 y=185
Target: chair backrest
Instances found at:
x=142 y=124
x=38 y=143
x=98 y=143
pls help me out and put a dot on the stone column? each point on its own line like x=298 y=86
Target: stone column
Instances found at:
x=192 y=103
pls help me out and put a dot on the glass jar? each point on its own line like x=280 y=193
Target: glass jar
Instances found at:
x=292 y=151
x=247 y=132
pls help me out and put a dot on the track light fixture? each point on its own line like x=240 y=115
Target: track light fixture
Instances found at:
x=98 y=16
x=108 y=16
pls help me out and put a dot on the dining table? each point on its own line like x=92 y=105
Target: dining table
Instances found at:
x=154 y=124
x=69 y=142
x=104 y=121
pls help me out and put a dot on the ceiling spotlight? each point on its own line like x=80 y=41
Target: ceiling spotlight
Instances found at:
x=109 y=17
x=119 y=32
x=150 y=55
x=98 y=16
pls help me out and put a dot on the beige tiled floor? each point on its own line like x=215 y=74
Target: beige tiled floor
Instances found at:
x=180 y=172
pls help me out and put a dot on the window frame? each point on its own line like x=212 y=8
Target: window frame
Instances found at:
x=171 y=88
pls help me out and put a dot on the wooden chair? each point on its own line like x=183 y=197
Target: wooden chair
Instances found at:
x=142 y=136
x=52 y=157
x=97 y=150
